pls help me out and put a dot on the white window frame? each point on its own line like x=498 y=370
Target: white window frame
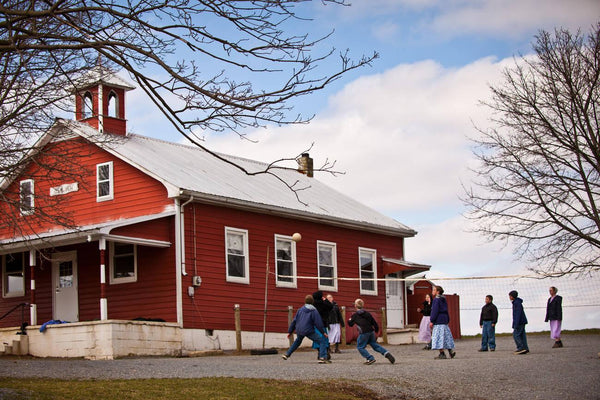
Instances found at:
x=115 y=281
x=27 y=209
x=238 y=279
x=333 y=247
x=281 y=283
x=110 y=180
x=5 y=286
x=373 y=253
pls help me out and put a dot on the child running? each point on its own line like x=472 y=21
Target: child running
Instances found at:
x=367 y=326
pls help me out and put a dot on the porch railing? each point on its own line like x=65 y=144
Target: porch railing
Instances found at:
x=24 y=324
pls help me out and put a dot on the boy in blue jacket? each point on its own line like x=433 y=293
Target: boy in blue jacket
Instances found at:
x=305 y=323
x=518 y=323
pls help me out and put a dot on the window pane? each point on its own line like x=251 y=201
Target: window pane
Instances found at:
x=123 y=260
x=325 y=256
x=235 y=243
x=14 y=277
x=103 y=189
x=235 y=265
x=103 y=172
x=65 y=274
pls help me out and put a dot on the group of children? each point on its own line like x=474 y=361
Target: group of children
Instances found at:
x=309 y=323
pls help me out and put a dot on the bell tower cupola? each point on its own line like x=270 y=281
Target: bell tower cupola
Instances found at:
x=100 y=100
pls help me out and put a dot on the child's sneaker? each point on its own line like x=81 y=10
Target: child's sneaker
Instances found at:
x=440 y=356
x=324 y=361
x=390 y=357
x=285 y=356
x=452 y=353
x=369 y=362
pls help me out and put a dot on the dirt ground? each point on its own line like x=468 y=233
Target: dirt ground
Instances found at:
x=571 y=372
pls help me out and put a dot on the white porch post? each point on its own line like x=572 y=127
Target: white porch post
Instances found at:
x=103 y=302
x=33 y=307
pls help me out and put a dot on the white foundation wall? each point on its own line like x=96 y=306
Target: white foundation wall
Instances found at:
x=201 y=339
x=105 y=340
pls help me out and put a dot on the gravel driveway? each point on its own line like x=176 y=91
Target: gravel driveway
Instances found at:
x=572 y=372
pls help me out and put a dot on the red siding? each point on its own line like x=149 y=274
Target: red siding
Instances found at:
x=213 y=302
x=135 y=193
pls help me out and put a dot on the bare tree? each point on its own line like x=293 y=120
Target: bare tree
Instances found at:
x=538 y=182
x=196 y=60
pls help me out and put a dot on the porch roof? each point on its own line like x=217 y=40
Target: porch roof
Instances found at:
x=83 y=234
x=406 y=268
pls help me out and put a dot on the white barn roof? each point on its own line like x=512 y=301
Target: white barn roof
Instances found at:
x=190 y=171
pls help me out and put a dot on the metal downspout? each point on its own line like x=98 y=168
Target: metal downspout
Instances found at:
x=180 y=256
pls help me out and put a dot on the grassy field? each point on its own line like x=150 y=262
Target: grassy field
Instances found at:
x=201 y=388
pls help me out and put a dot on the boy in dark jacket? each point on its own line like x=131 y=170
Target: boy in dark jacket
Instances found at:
x=519 y=322
x=306 y=323
x=367 y=326
x=487 y=322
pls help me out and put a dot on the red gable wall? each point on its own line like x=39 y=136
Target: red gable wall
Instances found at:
x=135 y=193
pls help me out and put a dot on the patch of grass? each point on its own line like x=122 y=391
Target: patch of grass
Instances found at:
x=201 y=388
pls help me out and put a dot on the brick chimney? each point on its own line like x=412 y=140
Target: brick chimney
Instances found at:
x=305 y=165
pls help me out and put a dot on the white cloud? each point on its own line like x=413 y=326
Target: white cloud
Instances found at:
x=512 y=18
x=401 y=138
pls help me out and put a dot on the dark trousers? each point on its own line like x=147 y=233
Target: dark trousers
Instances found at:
x=488 y=336
x=520 y=337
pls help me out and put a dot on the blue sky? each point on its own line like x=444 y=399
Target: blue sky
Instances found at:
x=399 y=129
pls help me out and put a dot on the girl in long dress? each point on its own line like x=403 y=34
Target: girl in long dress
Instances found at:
x=424 y=329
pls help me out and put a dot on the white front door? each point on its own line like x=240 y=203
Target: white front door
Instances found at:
x=394 y=292
x=64 y=281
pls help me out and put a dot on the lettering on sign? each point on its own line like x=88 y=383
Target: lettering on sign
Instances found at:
x=64 y=189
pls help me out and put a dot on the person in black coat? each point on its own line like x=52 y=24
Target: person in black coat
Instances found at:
x=487 y=322
x=324 y=307
x=554 y=315
x=336 y=323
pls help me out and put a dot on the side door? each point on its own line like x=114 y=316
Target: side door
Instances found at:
x=65 y=297
x=394 y=294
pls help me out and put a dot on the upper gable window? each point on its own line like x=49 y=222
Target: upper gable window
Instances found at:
x=88 y=105
x=123 y=262
x=104 y=181
x=285 y=253
x=13 y=275
x=236 y=252
x=26 y=196
x=113 y=105
x=327 y=258
x=368 y=271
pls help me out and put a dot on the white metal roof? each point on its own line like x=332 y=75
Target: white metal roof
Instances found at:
x=188 y=170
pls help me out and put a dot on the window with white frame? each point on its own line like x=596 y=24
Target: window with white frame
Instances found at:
x=13 y=275
x=285 y=254
x=236 y=255
x=104 y=181
x=123 y=262
x=327 y=259
x=26 y=197
x=368 y=271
